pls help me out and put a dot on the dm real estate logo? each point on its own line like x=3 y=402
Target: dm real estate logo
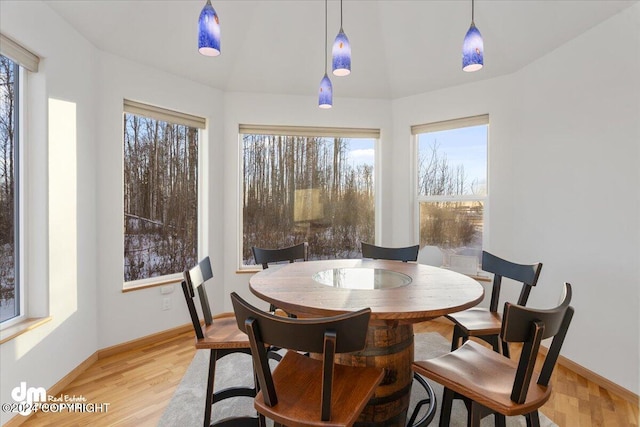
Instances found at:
x=27 y=397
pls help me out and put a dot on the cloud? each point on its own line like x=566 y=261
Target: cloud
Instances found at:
x=362 y=156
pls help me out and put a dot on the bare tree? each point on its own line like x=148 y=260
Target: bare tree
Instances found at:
x=8 y=74
x=445 y=224
x=276 y=166
x=161 y=204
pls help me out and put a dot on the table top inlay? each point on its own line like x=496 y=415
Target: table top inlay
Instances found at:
x=361 y=278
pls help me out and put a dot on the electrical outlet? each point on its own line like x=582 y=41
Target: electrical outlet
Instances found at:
x=166 y=303
x=164 y=290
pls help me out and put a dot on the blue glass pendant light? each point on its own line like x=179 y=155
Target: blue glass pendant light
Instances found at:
x=472 y=47
x=341 y=52
x=325 y=93
x=209 y=31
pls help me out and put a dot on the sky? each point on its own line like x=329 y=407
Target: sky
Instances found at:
x=466 y=146
x=361 y=151
x=463 y=146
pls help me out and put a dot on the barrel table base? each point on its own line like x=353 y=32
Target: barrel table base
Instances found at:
x=389 y=346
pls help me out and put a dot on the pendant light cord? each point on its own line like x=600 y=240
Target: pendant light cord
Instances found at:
x=472 y=11
x=341 y=14
x=325 y=36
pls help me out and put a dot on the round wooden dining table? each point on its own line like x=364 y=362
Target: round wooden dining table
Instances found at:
x=399 y=295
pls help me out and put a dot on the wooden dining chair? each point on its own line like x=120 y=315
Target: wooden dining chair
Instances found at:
x=404 y=254
x=302 y=390
x=486 y=324
x=491 y=383
x=219 y=334
x=291 y=254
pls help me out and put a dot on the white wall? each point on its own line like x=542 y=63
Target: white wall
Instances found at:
x=126 y=316
x=563 y=160
x=577 y=188
x=60 y=202
x=563 y=182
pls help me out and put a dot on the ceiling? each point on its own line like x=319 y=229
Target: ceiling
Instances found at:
x=399 y=47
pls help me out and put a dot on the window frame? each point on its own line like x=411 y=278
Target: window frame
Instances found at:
x=444 y=125
x=176 y=118
x=24 y=61
x=310 y=131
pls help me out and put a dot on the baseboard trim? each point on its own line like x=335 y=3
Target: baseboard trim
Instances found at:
x=608 y=385
x=143 y=341
x=59 y=387
x=16 y=421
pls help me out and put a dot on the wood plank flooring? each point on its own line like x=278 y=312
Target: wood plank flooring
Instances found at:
x=138 y=385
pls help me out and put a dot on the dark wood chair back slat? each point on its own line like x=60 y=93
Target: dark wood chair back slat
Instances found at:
x=264 y=256
x=526 y=274
x=529 y=327
x=305 y=335
x=194 y=279
x=404 y=254
x=327 y=336
x=189 y=295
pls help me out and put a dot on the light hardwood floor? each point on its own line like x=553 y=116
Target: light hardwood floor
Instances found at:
x=138 y=385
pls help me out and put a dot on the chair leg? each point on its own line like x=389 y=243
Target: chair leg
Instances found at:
x=476 y=412
x=533 y=419
x=474 y=415
x=213 y=356
x=445 y=412
x=495 y=343
x=505 y=349
x=457 y=335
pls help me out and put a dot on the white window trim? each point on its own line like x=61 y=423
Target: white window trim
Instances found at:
x=13 y=50
x=164 y=114
x=478 y=120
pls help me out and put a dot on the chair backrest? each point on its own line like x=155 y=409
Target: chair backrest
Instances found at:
x=291 y=254
x=525 y=274
x=195 y=278
x=328 y=336
x=530 y=326
x=404 y=254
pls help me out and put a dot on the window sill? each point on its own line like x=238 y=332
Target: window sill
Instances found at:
x=480 y=278
x=26 y=325
x=249 y=270
x=136 y=287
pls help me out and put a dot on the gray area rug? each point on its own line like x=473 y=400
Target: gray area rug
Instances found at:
x=186 y=408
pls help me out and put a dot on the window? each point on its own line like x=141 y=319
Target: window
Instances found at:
x=9 y=242
x=452 y=188
x=307 y=184
x=160 y=192
x=15 y=62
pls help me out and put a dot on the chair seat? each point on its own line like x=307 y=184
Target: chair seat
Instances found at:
x=484 y=376
x=477 y=321
x=298 y=380
x=222 y=334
